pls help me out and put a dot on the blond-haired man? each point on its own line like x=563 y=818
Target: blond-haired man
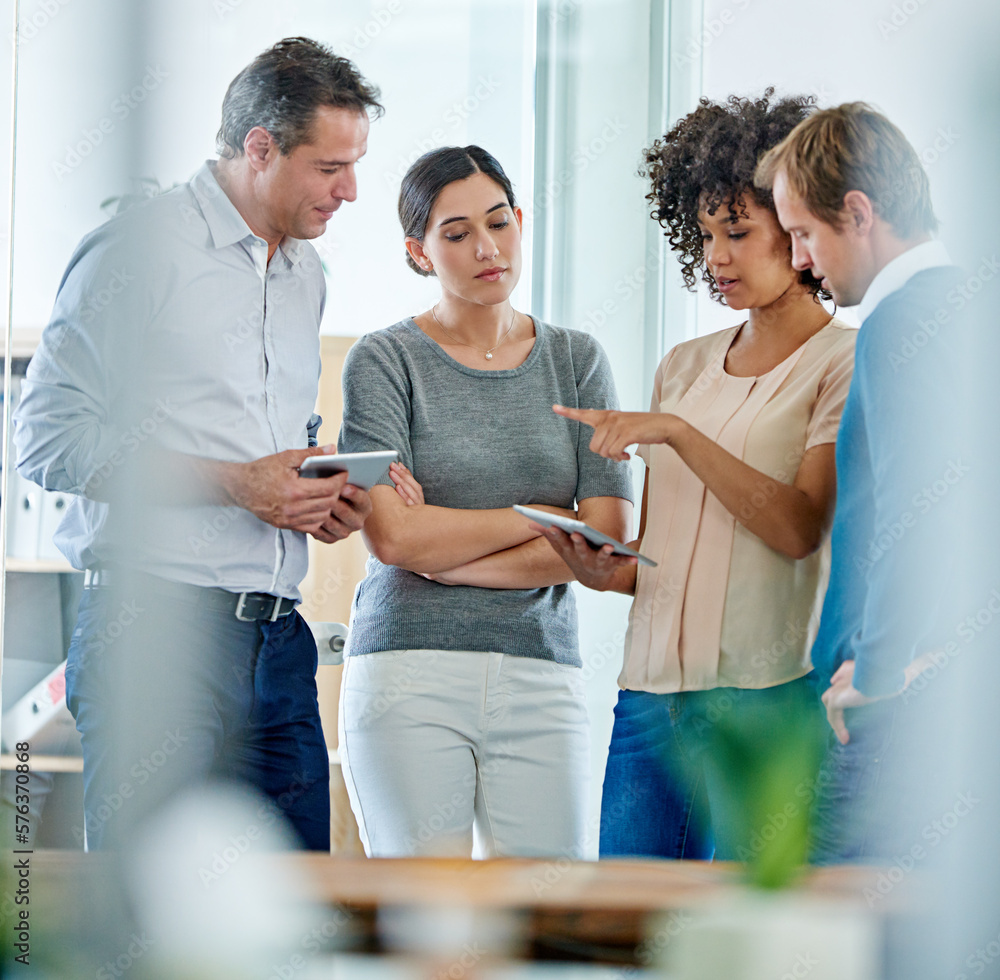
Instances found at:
x=851 y=192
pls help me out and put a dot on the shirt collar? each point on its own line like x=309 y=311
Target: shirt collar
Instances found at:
x=294 y=249
x=225 y=223
x=895 y=275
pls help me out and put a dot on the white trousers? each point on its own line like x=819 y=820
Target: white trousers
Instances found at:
x=455 y=753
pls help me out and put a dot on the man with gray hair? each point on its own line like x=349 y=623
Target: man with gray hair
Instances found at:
x=177 y=405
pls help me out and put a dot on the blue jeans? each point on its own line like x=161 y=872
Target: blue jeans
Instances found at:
x=168 y=694
x=650 y=806
x=878 y=796
x=849 y=824
x=673 y=788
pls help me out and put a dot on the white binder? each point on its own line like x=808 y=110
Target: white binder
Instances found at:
x=54 y=506
x=24 y=516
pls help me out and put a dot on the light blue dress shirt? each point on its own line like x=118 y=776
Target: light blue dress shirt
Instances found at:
x=171 y=329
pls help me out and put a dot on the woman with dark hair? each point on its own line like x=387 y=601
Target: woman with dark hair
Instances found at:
x=739 y=494
x=462 y=706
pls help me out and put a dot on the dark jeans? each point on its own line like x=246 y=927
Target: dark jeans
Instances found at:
x=168 y=694
x=684 y=770
x=878 y=796
x=851 y=823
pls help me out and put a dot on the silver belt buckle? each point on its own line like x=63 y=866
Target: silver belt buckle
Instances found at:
x=240 y=606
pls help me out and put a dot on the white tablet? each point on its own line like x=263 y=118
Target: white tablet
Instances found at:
x=595 y=537
x=363 y=469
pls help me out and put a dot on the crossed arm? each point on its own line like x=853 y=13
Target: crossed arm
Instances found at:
x=495 y=549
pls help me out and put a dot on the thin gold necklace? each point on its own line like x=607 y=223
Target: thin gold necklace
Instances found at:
x=489 y=352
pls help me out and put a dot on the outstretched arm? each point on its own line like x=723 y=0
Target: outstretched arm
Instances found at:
x=791 y=518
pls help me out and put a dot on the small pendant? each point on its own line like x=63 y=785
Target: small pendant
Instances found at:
x=489 y=356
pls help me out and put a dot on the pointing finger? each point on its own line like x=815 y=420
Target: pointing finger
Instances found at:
x=588 y=416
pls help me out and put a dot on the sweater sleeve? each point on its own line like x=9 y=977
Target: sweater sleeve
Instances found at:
x=595 y=385
x=377 y=397
x=917 y=472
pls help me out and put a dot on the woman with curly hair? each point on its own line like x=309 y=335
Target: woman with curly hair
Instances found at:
x=739 y=495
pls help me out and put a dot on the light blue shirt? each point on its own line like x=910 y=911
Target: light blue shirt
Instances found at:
x=902 y=458
x=895 y=274
x=171 y=329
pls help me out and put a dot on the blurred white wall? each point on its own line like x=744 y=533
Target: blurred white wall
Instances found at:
x=898 y=56
x=111 y=90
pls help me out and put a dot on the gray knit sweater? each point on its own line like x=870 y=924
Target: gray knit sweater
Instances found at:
x=476 y=440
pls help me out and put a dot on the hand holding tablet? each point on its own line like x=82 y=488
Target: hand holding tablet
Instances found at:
x=364 y=470
x=597 y=538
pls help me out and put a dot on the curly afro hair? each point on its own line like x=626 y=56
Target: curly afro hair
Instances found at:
x=708 y=160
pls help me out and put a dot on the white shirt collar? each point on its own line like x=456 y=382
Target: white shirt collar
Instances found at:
x=895 y=275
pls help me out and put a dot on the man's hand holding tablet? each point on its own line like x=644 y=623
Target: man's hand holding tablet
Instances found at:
x=352 y=506
x=364 y=470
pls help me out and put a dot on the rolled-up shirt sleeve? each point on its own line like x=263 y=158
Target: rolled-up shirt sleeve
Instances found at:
x=67 y=423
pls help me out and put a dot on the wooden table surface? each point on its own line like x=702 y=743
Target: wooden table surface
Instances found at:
x=519 y=883
x=596 y=911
